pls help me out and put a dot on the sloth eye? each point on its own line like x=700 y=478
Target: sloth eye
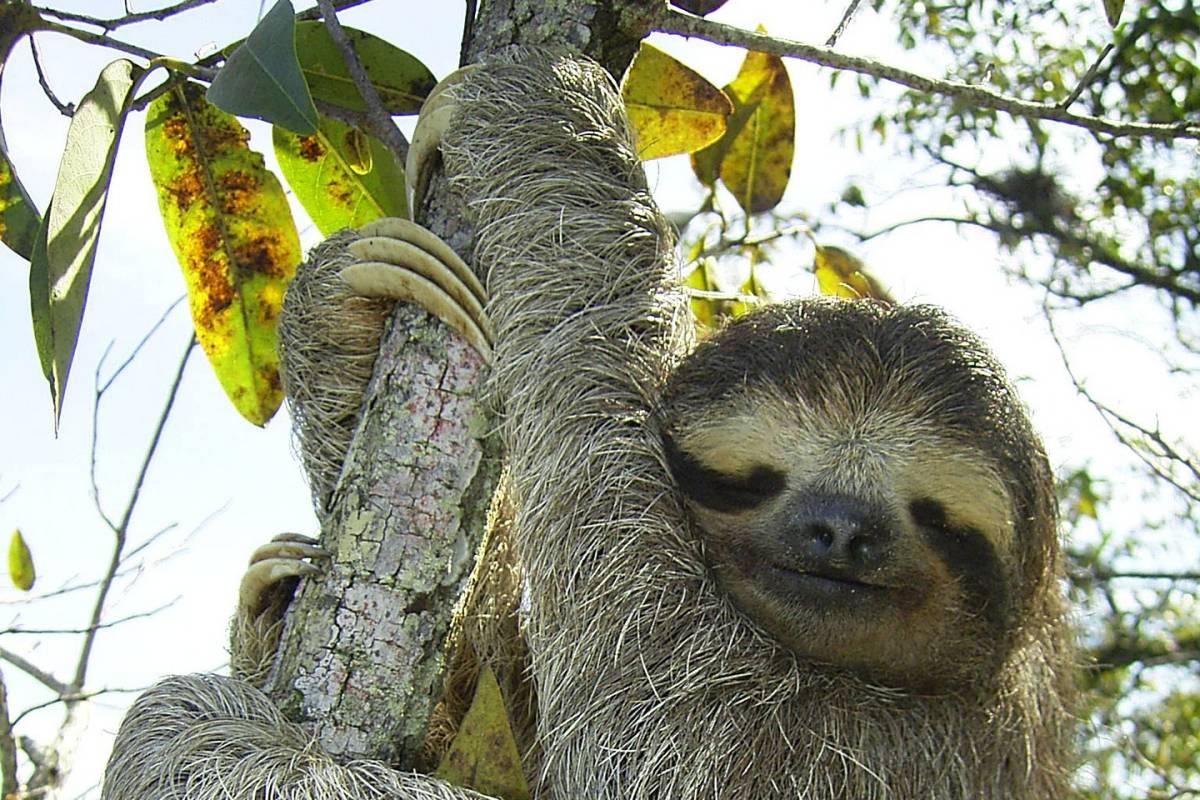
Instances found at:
x=720 y=491
x=929 y=513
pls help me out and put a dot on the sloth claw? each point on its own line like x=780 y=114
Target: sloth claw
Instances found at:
x=288 y=555
x=401 y=260
x=436 y=113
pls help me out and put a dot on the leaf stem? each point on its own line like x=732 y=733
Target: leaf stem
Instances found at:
x=381 y=124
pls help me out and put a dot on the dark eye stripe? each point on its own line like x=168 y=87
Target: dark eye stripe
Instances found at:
x=718 y=491
x=969 y=556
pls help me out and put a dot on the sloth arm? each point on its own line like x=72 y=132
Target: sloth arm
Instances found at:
x=588 y=315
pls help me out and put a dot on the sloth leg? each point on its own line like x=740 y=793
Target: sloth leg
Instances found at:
x=264 y=595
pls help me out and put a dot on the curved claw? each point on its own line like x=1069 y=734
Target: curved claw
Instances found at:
x=403 y=261
x=286 y=556
x=436 y=113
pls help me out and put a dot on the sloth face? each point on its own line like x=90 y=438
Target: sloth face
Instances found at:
x=867 y=488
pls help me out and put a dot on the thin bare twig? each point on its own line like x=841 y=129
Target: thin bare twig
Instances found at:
x=100 y=387
x=1088 y=77
x=851 y=10
x=1111 y=419
x=72 y=698
x=113 y=23
x=102 y=40
x=680 y=23
x=116 y=373
x=91 y=629
x=66 y=109
x=34 y=671
x=1108 y=575
x=122 y=529
x=382 y=126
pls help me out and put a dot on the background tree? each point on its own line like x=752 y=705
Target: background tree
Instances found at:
x=1068 y=142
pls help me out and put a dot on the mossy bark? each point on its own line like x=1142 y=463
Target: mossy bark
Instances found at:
x=362 y=656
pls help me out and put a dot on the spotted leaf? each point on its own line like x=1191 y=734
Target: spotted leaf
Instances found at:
x=341 y=183
x=232 y=232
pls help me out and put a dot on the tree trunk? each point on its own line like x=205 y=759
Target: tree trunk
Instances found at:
x=361 y=658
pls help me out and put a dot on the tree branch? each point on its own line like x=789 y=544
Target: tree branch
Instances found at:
x=681 y=23
x=66 y=109
x=8 y=748
x=847 y=16
x=37 y=673
x=381 y=124
x=1111 y=418
x=1123 y=654
x=159 y=14
x=102 y=40
x=122 y=528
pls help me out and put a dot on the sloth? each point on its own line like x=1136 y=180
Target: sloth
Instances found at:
x=813 y=556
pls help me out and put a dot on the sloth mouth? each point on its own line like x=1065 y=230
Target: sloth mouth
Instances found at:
x=820 y=583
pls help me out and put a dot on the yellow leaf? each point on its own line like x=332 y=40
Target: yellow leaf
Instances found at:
x=841 y=274
x=754 y=157
x=231 y=229
x=673 y=109
x=483 y=755
x=20 y=563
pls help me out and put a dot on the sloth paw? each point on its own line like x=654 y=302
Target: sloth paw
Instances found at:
x=275 y=568
x=403 y=261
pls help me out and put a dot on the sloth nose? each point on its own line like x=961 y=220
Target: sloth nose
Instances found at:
x=839 y=532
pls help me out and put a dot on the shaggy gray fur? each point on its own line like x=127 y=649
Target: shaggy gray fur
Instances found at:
x=649 y=684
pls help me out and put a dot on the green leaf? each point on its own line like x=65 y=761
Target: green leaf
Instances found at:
x=340 y=184
x=673 y=109
x=1112 y=10
x=229 y=224
x=76 y=211
x=262 y=77
x=20 y=562
x=401 y=80
x=39 y=305
x=758 y=162
x=483 y=755
x=19 y=220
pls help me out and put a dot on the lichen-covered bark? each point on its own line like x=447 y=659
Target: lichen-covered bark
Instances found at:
x=362 y=654
x=361 y=657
